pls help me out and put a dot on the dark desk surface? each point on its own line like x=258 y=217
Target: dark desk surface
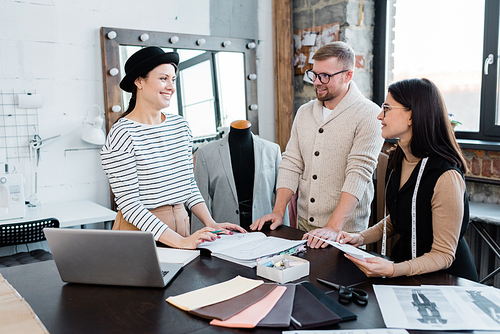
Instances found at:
x=75 y=308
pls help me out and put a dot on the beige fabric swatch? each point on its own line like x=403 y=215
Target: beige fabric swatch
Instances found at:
x=214 y=294
x=16 y=315
x=251 y=316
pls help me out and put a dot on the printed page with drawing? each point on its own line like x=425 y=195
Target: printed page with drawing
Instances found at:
x=246 y=248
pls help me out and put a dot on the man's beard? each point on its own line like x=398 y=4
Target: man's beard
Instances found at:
x=326 y=97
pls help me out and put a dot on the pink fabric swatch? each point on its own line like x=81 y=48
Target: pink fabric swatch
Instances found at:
x=251 y=316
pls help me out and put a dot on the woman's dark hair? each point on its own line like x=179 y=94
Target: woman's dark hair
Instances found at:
x=432 y=133
x=132 y=101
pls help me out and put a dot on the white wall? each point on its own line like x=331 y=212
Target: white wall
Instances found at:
x=265 y=71
x=53 y=47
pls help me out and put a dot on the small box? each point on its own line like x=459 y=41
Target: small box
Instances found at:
x=299 y=268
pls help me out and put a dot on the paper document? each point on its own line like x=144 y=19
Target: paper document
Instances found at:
x=247 y=248
x=439 y=308
x=350 y=331
x=173 y=255
x=349 y=249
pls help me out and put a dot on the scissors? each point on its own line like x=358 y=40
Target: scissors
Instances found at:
x=346 y=294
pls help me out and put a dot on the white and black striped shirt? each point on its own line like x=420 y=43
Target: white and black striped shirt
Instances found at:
x=149 y=166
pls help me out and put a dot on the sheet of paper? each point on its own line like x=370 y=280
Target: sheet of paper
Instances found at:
x=173 y=255
x=227 y=241
x=439 y=307
x=350 y=331
x=214 y=293
x=351 y=250
x=259 y=248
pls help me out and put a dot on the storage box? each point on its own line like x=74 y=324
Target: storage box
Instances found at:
x=299 y=268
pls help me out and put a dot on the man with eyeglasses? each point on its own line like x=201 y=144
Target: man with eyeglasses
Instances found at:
x=331 y=155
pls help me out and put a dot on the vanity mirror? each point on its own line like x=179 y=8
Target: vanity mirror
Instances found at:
x=216 y=83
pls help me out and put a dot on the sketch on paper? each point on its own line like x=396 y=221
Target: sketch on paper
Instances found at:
x=439 y=307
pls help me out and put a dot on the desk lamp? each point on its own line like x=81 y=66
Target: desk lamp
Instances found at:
x=95 y=135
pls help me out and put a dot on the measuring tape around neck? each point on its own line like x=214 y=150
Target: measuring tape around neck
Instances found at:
x=413 y=214
x=384 y=235
x=414 y=211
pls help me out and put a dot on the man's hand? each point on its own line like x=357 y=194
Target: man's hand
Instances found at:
x=326 y=233
x=275 y=219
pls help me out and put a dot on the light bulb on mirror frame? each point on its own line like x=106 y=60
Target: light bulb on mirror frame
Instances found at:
x=111 y=34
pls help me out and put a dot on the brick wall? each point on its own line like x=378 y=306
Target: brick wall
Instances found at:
x=356 y=29
x=484 y=168
x=484 y=164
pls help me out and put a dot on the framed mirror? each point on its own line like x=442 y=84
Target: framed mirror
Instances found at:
x=216 y=83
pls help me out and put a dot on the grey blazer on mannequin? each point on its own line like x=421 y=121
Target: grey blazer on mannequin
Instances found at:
x=214 y=175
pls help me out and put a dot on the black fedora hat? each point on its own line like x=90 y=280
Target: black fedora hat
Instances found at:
x=144 y=61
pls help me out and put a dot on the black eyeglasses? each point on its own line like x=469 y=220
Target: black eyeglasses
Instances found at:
x=324 y=78
x=386 y=108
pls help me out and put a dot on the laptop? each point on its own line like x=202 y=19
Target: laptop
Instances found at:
x=108 y=257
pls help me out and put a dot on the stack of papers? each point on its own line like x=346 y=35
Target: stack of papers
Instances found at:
x=247 y=248
x=173 y=255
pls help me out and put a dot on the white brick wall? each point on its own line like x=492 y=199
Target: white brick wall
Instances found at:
x=53 y=47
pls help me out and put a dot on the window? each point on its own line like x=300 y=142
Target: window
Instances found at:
x=448 y=42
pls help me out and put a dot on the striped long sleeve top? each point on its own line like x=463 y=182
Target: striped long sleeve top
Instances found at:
x=149 y=166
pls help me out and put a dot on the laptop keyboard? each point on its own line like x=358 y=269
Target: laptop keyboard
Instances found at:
x=164 y=273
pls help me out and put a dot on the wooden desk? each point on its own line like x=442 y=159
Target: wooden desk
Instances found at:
x=79 y=308
x=68 y=213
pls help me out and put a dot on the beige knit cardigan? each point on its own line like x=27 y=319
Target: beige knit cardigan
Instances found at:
x=324 y=158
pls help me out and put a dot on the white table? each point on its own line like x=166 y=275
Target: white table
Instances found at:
x=485 y=213
x=68 y=213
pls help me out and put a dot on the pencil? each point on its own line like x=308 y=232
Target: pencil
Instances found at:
x=218 y=231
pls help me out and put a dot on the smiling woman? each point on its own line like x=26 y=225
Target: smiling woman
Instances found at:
x=148 y=157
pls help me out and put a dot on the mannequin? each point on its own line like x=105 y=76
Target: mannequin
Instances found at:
x=237 y=176
x=243 y=165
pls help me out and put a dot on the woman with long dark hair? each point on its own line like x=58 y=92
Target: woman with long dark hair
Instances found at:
x=426 y=196
x=148 y=158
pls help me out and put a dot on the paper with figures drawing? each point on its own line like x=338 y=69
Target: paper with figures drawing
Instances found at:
x=439 y=308
x=350 y=331
x=246 y=248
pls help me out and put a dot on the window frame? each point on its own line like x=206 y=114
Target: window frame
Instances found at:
x=206 y=56
x=488 y=136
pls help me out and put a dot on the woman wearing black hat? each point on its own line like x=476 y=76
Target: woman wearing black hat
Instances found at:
x=148 y=159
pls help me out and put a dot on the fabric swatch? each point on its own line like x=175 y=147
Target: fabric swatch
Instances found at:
x=332 y=304
x=282 y=311
x=214 y=294
x=309 y=312
x=226 y=309
x=251 y=316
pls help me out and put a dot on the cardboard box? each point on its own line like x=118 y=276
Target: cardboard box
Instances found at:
x=299 y=268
